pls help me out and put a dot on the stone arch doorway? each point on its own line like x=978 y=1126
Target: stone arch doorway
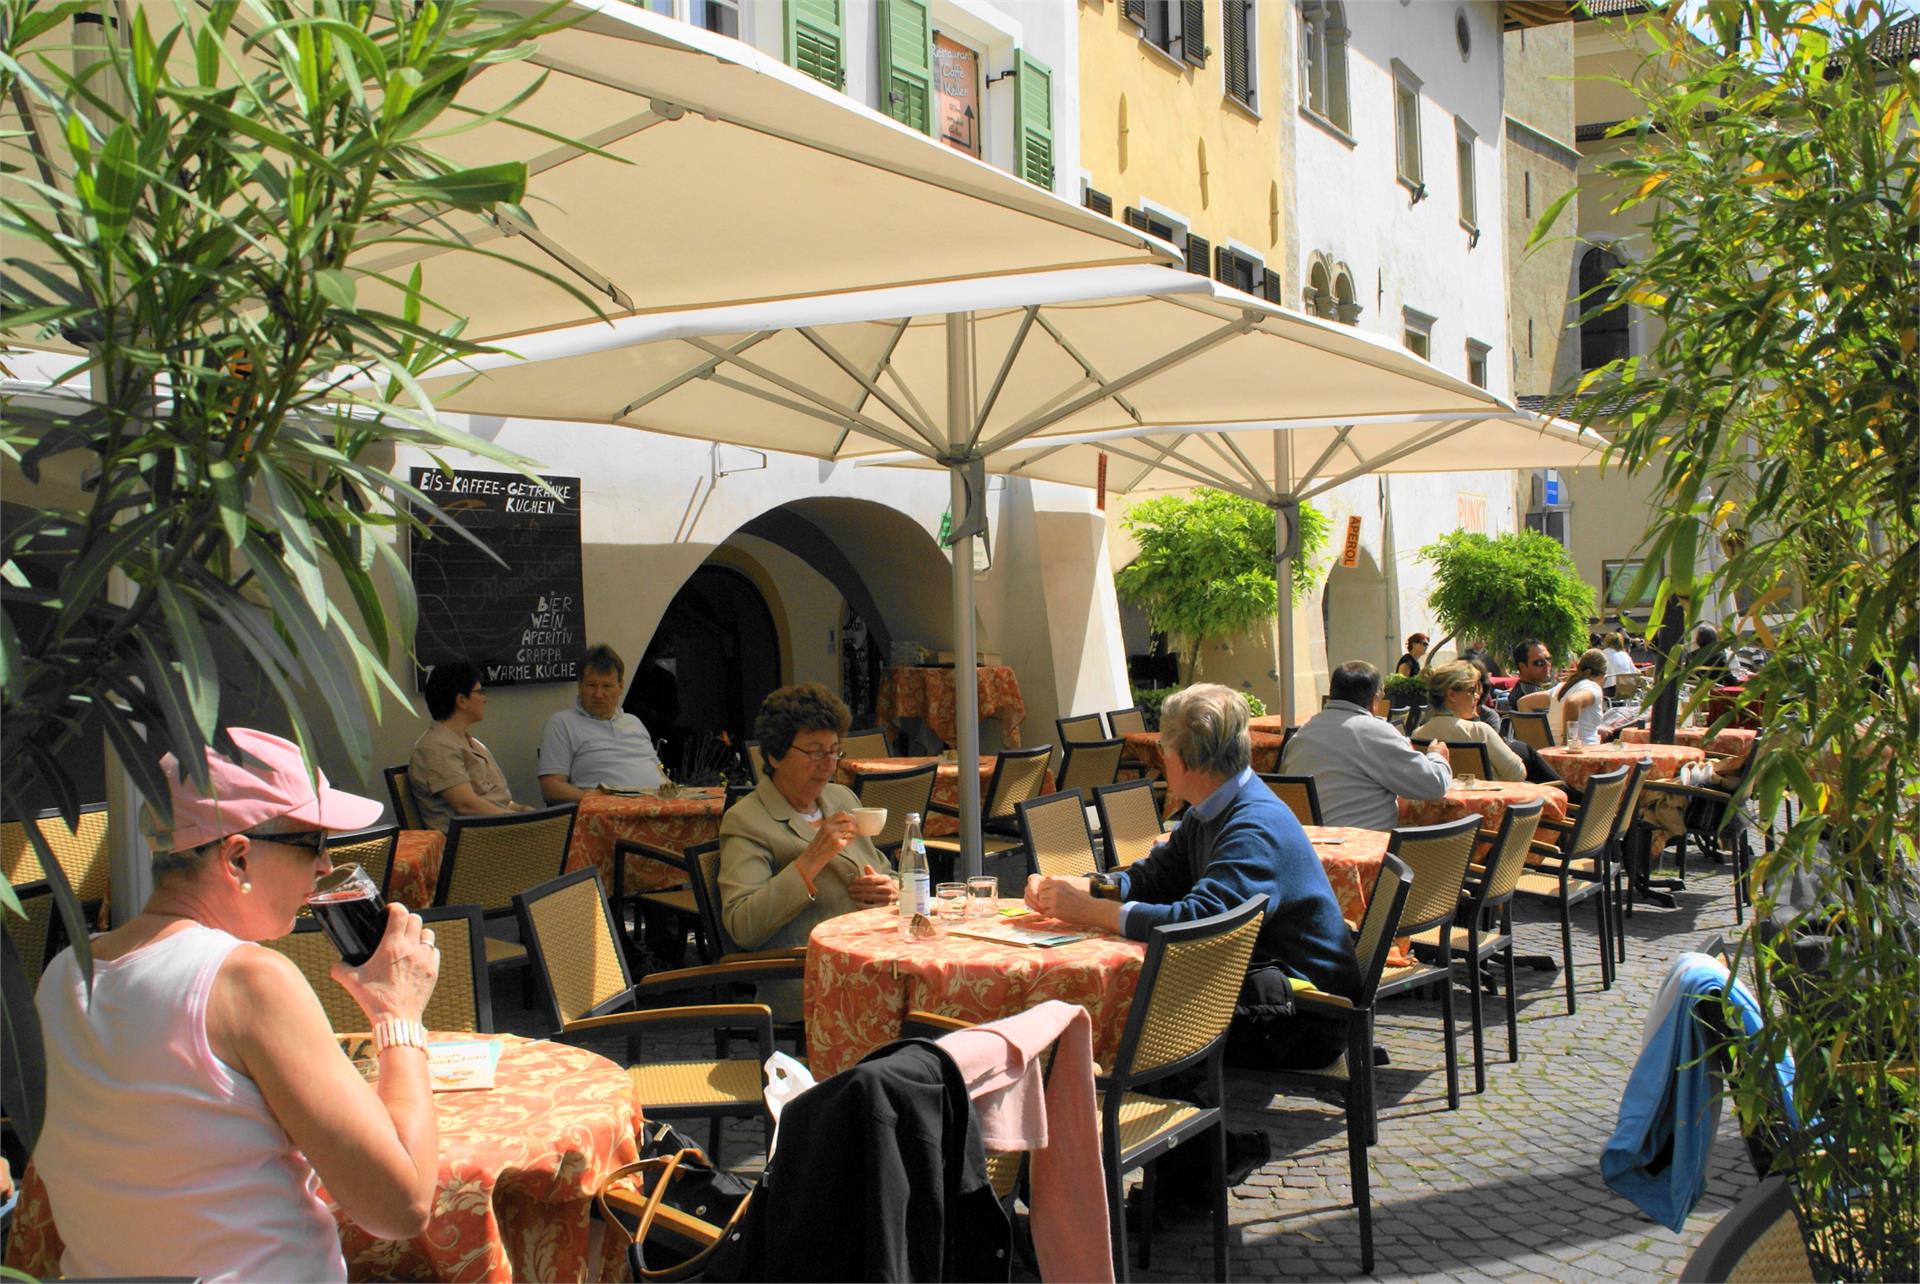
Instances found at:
x=1353 y=613
x=714 y=656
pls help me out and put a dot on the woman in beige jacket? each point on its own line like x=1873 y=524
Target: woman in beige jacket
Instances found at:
x=789 y=856
x=1455 y=716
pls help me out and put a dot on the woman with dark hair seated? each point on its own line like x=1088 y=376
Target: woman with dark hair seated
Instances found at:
x=789 y=856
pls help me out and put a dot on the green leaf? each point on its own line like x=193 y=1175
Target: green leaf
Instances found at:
x=336 y=286
x=503 y=181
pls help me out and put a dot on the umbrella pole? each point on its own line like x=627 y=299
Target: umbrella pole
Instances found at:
x=966 y=680
x=1283 y=573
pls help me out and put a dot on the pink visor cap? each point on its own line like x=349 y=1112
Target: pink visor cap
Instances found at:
x=271 y=785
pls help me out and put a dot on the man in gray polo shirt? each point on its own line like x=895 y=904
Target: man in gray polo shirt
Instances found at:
x=1362 y=765
x=595 y=743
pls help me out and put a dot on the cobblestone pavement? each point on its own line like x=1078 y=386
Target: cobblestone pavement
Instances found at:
x=1507 y=1187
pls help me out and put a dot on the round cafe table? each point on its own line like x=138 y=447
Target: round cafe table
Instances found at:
x=1144 y=747
x=862 y=979
x=1578 y=765
x=676 y=824
x=1487 y=799
x=1352 y=858
x=1734 y=742
x=946 y=784
x=519 y=1164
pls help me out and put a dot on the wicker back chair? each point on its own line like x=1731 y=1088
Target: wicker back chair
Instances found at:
x=1129 y=822
x=80 y=852
x=1017 y=776
x=310 y=951
x=1085 y=765
x=461 y=1001
x=1126 y=722
x=868 y=742
x=490 y=859
x=1299 y=793
x=756 y=761
x=587 y=993
x=702 y=863
x=1437 y=856
x=1574 y=869
x=1056 y=834
x=1718 y=819
x=1483 y=929
x=1759 y=1239
x=36 y=936
x=1469 y=758
x=406 y=808
x=1081 y=728
x=899 y=792
x=1003 y=1166
x=370 y=849
x=1530 y=727
x=671 y=904
x=1620 y=878
x=1177 y=1024
x=1350 y=1079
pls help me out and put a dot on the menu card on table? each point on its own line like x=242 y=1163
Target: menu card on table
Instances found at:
x=1014 y=934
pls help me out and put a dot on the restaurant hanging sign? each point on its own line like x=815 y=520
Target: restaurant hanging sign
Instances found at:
x=1350 y=551
x=521 y=622
x=956 y=94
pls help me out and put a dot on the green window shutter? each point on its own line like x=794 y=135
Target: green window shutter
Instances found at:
x=1233 y=33
x=906 y=62
x=1033 y=122
x=816 y=40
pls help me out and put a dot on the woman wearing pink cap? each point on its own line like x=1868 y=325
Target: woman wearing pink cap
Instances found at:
x=198 y=1095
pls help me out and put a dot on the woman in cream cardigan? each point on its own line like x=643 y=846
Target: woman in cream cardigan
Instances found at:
x=789 y=856
x=1455 y=715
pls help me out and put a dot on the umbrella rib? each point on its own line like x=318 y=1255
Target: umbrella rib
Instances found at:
x=842 y=415
x=1378 y=462
x=560 y=254
x=1067 y=347
x=1006 y=368
x=886 y=355
x=1188 y=469
x=834 y=355
x=1230 y=445
x=700 y=371
x=1186 y=352
x=801 y=407
x=1339 y=440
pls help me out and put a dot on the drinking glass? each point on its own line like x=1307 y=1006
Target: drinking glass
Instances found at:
x=950 y=902
x=351 y=912
x=983 y=895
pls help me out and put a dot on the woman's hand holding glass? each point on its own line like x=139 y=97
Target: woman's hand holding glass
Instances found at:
x=399 y=979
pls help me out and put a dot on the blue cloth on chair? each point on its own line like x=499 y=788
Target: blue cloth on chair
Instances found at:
x=1658 y=1154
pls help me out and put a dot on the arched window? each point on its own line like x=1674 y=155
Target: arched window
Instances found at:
x=1345 y=307
x=1323 y=60
x=1603 y=336
x=1319 y=299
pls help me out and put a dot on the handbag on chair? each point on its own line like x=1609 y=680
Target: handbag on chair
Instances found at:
x=674 y=1207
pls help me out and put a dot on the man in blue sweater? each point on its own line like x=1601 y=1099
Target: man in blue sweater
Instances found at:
x=1236 y=840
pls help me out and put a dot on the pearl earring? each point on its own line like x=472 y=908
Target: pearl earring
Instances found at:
x=245 y=886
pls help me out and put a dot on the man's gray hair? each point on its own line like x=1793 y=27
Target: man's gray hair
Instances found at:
x=1207 y=726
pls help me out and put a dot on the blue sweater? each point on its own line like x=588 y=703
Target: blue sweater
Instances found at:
x=1253 y=847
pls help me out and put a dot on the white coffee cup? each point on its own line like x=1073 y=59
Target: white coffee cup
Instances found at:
x=869 y=821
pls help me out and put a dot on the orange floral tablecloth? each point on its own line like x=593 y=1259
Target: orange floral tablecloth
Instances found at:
x=862 y=979
x=673 y=823
x=1271 y=723
x=946 y=785
x=1735 y=742
x=416 y=867
x=1577 y=766
x=1144 y=746
x=910 y=691
x=1488 y=799
x=1352 y=859
x=519 y=1165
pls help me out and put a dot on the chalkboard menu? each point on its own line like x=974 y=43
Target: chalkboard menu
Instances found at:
x=521 y=622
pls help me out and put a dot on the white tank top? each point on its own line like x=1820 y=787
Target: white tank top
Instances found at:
x=1586 y=724
x=158 y=1157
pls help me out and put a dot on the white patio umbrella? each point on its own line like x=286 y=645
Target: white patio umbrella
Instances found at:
x=1283 y=463
x=715 y=175
x=952 y=375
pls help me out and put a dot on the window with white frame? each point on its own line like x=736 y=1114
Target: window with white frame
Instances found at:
x=1406 y=128
x=1323 y=62
x=1416 y=332
x=1239 y=36
x=1477 y=363
x=1469 y=198
x=719 y=16
x=1176 y=28
x=1238 y=267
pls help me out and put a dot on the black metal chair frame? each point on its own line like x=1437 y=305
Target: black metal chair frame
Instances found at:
x=1274 y=778
x=1100 y=796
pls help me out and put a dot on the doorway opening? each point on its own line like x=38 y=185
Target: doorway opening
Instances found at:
x=712 y=660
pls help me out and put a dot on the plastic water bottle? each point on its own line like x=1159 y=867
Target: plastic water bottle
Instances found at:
x=916 y=885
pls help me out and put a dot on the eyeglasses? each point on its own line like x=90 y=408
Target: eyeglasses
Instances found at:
x=821 y=755
x=311 y=841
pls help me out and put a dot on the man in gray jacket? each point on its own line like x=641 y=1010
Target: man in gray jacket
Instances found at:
x=1361 y=765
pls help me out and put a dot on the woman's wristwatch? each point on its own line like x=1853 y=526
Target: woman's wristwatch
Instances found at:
x=397 y=1032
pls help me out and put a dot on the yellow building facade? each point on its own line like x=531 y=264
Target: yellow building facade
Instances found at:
x=1183 y=127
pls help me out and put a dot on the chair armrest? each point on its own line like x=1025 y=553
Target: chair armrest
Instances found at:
x=705 y=1016
x=755 y=956
x=1688 y=791
x=1544 y=849
x=730 y=971
x=1549 y=822
x=1321 y=999
x=943 y=809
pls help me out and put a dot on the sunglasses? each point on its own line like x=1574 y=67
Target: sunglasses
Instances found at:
x=311 y=841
